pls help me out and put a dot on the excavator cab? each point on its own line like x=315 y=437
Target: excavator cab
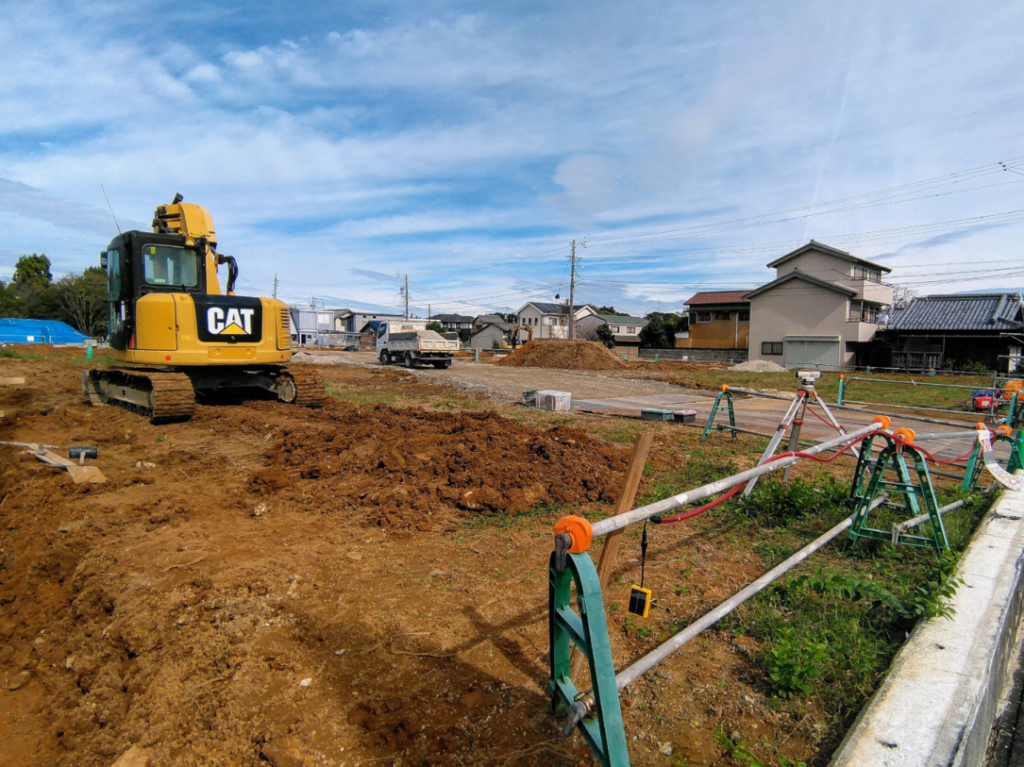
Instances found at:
x=140 y=263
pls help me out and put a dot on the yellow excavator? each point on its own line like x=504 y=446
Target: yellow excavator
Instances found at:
x=174 y=333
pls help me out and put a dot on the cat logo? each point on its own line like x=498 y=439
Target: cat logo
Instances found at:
x=230 y=322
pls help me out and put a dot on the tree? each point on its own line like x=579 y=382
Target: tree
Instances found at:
x=10 y=306
x=33 y=271
x=901 y=297
x=604 y=335
x=660 y=331
x=607 y=310
x=436 y=327
x=82 y=299
x=31 y=288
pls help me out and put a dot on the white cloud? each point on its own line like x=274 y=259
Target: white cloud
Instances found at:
x=468 y=148
x=204 y=73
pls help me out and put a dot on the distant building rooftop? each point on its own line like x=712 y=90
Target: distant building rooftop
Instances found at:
x=719 y=297
x=961 y=311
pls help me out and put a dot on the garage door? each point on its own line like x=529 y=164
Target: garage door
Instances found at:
x=811 y=351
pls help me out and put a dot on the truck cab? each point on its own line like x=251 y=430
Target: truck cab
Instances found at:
x=410 y=343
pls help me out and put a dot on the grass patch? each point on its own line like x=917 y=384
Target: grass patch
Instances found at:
x=11 y=354
x=775 y=503
x=884 y=388
x=502 y=520
x=357 y=397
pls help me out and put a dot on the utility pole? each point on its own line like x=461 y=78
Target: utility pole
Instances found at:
x=572 y=285
x=406 y=292
x=428 y=312
x=275 y=285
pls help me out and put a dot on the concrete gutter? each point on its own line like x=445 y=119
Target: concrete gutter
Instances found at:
x=938 y=704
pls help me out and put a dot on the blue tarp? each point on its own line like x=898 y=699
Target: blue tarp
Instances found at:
x=39 y=332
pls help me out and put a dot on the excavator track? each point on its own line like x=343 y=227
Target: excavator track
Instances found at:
x=158 y=396
x=308 y=387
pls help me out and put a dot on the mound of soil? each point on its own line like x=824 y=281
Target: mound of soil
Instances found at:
x=760 y=366
x=417 y=469
x=565 y=355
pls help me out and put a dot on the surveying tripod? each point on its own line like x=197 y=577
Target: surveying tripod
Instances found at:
x=793 y=420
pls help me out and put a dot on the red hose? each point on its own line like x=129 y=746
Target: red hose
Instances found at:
x=723 y=498
x=827 y=423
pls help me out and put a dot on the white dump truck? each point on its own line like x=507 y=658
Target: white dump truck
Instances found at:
x=410 y=343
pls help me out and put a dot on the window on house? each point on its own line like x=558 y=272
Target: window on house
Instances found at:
x=854 y=311
x=703 y=316
x=771 y=348
x=723 y=315
x=866 y=273
x=630 y=329
x=744 y=316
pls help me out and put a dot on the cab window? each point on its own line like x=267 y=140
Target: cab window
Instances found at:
x=382 y=330
x=170 y=265
x=113 y=275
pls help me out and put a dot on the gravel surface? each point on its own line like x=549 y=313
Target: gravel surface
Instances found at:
x=507 y=384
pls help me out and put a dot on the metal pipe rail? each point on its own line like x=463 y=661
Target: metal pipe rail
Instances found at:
x=972 y=433
x=621 y=521
x=755 y=393
x=633 y=672
x=913 y=383
x=899 y=528
x=924 y=408
x=933 y=472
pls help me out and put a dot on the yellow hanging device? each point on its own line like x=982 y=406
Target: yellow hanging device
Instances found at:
x=639 y=597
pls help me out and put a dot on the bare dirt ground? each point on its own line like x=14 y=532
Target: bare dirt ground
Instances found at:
x=272 y=585
x=507 y=383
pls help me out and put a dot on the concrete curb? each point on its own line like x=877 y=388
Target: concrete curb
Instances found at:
x=938 y=704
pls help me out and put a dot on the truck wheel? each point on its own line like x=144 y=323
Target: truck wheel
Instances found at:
x=408 y=359
x=442 y=365
x=384 y=360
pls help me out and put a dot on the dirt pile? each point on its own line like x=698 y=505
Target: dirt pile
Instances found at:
x=566 y=355
x=416 y=469
x=759 y=366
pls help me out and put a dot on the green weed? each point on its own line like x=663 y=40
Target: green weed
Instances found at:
x=738 y=751
x=793 y=663
x=775 y=503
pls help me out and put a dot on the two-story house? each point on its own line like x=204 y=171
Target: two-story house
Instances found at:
x=487 y=319
x=309 y=325
x=625 y=328
x=822 y=307
x=355 y=322
x=719 y=319
x=546 y=321
x=454 y=322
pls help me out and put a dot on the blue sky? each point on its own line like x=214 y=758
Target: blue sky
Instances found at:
x=689 y=143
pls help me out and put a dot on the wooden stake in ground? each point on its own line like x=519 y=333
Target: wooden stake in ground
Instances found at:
x=641 y=446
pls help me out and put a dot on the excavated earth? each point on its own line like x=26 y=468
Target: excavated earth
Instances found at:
x=566 y=355
x=415 y=469
x=267 y=585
